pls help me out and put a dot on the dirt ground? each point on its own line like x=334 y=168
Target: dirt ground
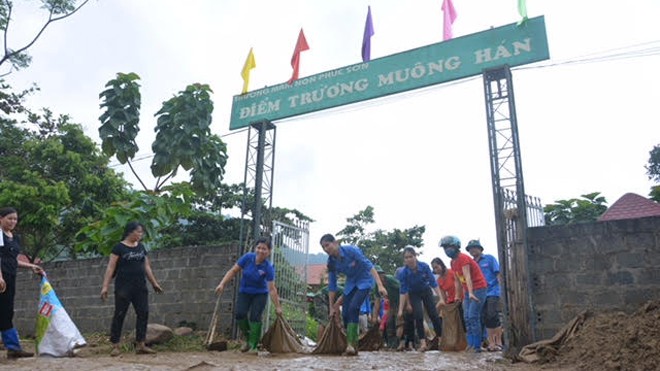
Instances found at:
x=234 y=360
x=615 y=342
x=612 y=341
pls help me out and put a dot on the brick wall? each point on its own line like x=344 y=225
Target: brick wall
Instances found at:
x=188 y=275
x=611 y=265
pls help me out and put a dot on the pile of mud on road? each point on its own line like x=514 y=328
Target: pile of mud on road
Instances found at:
x=610 y=341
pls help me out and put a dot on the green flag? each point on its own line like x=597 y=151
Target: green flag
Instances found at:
x=522 y=10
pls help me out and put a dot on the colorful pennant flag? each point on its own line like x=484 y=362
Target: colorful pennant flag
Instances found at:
x=522 y=10
x=301 y=46
x=449 y=18
x=366 y=40
x=245 y=73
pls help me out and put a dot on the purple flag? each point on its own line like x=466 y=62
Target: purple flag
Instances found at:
x=366 y=41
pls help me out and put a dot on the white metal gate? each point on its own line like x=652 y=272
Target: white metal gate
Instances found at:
x=289 y=256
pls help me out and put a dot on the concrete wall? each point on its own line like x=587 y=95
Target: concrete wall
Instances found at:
x=605 y=265
x=188 y=276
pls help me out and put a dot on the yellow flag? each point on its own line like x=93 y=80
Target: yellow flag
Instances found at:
x=249 y=64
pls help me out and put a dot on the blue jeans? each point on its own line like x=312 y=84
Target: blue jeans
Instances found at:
x=472 y=311
x=351 y=305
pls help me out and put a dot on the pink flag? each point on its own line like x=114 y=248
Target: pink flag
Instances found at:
x=450 y=17
x=301 y=46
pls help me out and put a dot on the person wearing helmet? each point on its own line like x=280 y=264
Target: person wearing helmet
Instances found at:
x=360 y=277
x=418 y=285
x=474 y=287
x=491 y=313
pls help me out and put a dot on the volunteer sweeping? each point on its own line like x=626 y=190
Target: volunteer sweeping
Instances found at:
x=257 y=282
x=360 y=277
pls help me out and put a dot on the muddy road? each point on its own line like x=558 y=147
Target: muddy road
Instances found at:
x=234 y=360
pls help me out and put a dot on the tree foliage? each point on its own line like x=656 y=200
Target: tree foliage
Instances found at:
x=183 y=134
x=53 y=174
x=653 y=166
x=576 y=210
x=155 y=211
x=16 y=56
x=382 y=247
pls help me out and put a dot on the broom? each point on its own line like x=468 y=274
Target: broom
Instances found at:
x=219 y=345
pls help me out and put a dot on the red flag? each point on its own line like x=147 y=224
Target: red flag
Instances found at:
x=301 y=46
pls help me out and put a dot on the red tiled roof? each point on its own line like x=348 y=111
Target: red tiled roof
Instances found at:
x=315 y=272
x=631 y=206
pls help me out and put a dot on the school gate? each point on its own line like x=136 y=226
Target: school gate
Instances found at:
x=490 y=53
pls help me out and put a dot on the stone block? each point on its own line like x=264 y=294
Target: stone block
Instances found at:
x=648 y=276
x=598 y=262
x=611 y=243
x=589 y=278
x=572 y=297
x=635 y=297
x=554 y=249
x=620 y=278
x=631 y=259
x=639 y=240
x=608 y=299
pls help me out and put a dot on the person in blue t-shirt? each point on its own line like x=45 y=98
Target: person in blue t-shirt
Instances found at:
x=417 y=282
x=257 y=282
x=360 y=277
x=491 y=312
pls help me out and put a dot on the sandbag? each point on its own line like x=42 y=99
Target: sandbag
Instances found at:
x=548 y=349
x=453 y=334
x=371 y=340
x=333 y=340
x=281 y=338
x=57 y=335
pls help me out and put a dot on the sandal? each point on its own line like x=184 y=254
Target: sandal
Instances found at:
x=495 y=348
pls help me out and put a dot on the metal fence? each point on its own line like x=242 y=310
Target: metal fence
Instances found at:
x=290 y=250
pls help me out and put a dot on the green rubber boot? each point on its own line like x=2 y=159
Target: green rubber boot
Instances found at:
x=244 y=326
x=255 y=336
x=352 y=336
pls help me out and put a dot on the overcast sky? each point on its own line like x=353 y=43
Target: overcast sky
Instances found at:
x=419 y=158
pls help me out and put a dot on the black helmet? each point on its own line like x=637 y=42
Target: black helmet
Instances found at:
x=474 y=243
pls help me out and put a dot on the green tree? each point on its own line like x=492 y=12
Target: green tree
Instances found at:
x=356 y=229
x=382 y=247
x=17 y=57
x=653 y=172
x=183 y=134
x=183 y=140
x=53 y=174
x=154 y=211
x=653 y=166
x=576 y=210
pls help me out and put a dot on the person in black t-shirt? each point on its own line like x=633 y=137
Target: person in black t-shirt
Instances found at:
x=129 y=265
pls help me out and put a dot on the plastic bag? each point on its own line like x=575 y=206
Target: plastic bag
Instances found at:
x=57 y=335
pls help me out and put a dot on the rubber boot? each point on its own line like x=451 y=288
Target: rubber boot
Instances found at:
x=255 y=336
x=352 y=336
x=10 y=339
x=244 y=326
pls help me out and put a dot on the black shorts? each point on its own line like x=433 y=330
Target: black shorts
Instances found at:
x=491 y=312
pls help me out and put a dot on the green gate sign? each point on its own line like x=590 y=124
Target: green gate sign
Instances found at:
x=465 y=56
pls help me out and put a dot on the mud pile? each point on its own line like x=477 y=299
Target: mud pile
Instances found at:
x=614 y=341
